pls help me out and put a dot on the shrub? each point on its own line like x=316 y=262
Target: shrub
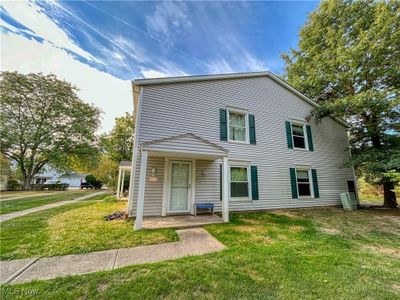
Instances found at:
x=110 y=199
x=97 y=184
x=13 y=185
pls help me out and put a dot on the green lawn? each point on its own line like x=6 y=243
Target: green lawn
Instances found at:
x=73 y=228
x=294 y=254
x=8 y=206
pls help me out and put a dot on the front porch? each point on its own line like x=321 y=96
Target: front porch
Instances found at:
x=182 y=221
x=176 y=179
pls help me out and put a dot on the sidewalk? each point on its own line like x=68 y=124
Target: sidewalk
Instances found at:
x=195 y=241
x=21 y=213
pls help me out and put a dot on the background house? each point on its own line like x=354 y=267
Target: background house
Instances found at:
x=73 y=179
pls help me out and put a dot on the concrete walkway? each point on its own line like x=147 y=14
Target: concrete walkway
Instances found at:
x=21 y=213
x=195 y=241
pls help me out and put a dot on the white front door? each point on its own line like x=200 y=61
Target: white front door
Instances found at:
x=179 y=191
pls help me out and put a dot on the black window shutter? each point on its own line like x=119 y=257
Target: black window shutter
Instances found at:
x=252 y=129
x=220 y=182
x=293 y=182
x=309 y=138
x=315 y=183
x=289 y=135
x=223 y=126
x=254 y=183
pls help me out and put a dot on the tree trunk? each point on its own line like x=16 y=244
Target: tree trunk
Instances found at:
x=27 y=182
x=389 y=196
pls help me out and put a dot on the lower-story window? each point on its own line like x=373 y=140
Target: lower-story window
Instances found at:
x=239 y=182
x=303 y=182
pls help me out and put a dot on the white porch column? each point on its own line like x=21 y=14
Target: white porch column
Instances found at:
x=118 y=182
x=122 y=184
x=225 y=189
x=142 y=183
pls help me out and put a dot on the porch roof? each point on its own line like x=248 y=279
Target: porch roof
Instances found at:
x=125 y=165
x=184 y=145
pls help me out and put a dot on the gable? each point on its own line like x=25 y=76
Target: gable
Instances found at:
x=185 y=143
x=202 y=78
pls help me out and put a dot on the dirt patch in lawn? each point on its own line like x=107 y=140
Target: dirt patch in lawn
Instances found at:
x=296 y=228
x=251 y=221
x=329 y=230
x=384 y=250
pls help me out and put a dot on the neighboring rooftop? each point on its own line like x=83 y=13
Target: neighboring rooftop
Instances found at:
x=125 y=163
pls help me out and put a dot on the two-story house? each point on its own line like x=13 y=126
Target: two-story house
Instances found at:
x=241 y=141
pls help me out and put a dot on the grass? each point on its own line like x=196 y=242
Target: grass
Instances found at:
x=8 y=206
x=71 y=229
x=13 y=194
x=293 y=254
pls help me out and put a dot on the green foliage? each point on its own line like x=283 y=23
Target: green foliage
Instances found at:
x=5 y=166
x=50 y=187
x=110 y=199
x=91 y=179
x=107 y=172
x=367 y=188
x=13 y=185
x=115 y=146
x=348 y=60
x=43 y=121
x=118 y=144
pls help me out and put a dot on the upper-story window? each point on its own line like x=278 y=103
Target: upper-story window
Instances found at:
x=298 y=134
x=238 y=125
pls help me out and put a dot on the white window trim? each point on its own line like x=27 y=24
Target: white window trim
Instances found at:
x=305 y=135
x=308 y=169
x=246 y=120
x=240 y=164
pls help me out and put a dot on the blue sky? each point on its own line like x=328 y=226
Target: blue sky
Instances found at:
x=109 y=43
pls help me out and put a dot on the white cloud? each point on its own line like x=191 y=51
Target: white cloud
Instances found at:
x=153 y=74
x=220 y=66
x=111 y=94
x=168 y=16
x=253 y=63
x=31 y=16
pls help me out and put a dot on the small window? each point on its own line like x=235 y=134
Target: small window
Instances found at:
x=299 y=140
x=237 y=126
x=239 y=182
x=303 y=182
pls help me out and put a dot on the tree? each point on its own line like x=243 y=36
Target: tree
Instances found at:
x=107 y=172
x=43 y=122
x=5 y=171
x=348 y=60
x=118 y=144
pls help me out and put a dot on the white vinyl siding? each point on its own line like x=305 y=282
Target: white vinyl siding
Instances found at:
x=172 y=109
